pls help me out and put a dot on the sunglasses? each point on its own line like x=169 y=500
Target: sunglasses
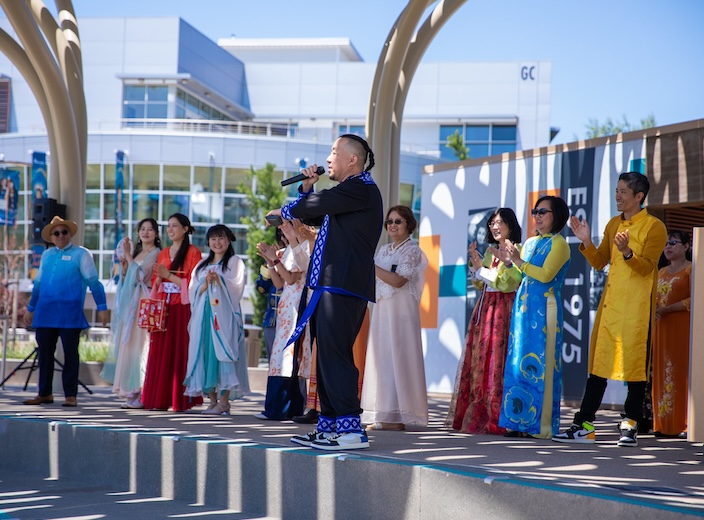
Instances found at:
x=63 y=232
x=672 y=242
x=541 y=211
x=398 y=221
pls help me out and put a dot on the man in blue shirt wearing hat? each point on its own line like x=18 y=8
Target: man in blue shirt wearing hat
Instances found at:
x=55 y=309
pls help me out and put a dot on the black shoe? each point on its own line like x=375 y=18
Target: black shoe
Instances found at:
x=310 y=417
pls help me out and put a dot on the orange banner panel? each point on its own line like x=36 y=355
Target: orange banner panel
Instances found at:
x=429 y=299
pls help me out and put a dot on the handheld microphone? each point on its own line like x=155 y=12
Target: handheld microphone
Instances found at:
x=301 y=177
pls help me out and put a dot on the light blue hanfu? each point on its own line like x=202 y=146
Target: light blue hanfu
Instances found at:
x=217 y=358
x=533 y=372
x=126 y=362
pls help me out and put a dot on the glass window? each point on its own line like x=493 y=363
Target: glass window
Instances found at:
x=448 y=130
x=109 y=232
x=145 y=205
x=233 y=178
x=146 y=176
x=234 y=209
x=503 y=133
x=109 y=205
x=157 y=93
x=207 y=207
x=477 y=133
x=210 y=178
x=92 y=176
x=447 y=154
x=134 y=93
x=177 y=178
x=92 y=206
x=91 y=236
x=240 y=245
x=501 y=148
x=106 y=266
x=176 y=204
x=133 y=111
x=198 y=238
x=478 y=150
x=405 y=194
x=109 y=173
x=157 y=110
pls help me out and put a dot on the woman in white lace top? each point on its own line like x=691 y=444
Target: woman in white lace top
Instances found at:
x=394 y=393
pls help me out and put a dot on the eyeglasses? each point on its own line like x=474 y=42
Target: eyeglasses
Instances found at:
x=63 y=232
x=672 y=242
x=398 y=221
x=541 y=211
x=496 y=223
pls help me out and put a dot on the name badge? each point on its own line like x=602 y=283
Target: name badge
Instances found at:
x=66 y=257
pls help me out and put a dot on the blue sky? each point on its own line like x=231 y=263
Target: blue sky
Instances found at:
x=611 y=58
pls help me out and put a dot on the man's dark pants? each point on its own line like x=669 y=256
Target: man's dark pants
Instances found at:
x=46 y=340
x=336 y=323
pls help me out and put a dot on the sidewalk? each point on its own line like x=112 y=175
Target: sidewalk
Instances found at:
x=510 y=478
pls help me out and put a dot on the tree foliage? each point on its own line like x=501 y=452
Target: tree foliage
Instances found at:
x=456 y=143
x=266 y=195
x=611 y=127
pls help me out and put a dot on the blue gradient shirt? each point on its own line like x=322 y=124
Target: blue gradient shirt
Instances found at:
x=60 y=288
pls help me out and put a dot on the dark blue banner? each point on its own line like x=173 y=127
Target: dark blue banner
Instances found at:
x=38 y=176
x=119 y=194
x=577 y=189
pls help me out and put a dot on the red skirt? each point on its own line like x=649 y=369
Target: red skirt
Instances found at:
x=166 y=364
x=479 y=386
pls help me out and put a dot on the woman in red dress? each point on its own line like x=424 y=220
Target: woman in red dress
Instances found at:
x=168 y=350
x=476 y=401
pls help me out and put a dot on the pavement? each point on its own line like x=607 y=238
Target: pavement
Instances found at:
x=660 y=478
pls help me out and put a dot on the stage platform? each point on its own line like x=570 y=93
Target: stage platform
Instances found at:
x=117 y=463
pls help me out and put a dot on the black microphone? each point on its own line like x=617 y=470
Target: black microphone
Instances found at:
x=301 y=177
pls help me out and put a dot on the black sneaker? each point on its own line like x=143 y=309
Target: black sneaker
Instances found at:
x=309 y=438
x=342 y=442
x=577 y=434
x=629 y=433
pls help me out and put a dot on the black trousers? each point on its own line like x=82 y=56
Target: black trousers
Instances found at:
x=46 y=340
x=594 y=393
x=335 y=325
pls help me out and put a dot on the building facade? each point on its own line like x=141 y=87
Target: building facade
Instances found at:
x=191 y=117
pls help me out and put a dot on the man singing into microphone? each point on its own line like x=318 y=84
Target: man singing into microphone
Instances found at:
x=341 y=276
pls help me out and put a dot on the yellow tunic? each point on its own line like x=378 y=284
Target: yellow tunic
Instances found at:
x=621 y=341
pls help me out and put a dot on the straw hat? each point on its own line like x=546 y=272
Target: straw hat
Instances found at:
x=55 y=222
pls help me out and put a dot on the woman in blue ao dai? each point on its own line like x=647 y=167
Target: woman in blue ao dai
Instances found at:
x=217 y=359
x=533 y=373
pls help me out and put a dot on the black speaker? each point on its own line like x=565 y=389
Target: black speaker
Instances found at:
x=42 y=212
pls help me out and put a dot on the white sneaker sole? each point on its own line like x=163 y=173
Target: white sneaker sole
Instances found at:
x=578 y=440
x=339 y=447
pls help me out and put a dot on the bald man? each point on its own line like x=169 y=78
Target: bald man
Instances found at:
x=341 y=276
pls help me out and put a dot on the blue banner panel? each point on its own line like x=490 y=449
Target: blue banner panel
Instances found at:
x=577 y=188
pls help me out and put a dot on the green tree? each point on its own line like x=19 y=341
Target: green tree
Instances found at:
x=266 y=195
x=611 y=127
x=456 y=143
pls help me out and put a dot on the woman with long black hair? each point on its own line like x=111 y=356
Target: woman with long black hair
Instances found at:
x=168 y=350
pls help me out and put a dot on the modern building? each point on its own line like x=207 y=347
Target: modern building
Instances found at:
x=191 y=116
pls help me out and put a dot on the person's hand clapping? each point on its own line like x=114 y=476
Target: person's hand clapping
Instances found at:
x=580 y=229
x=621 y=242
x=267 y=252
x=474 y=257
